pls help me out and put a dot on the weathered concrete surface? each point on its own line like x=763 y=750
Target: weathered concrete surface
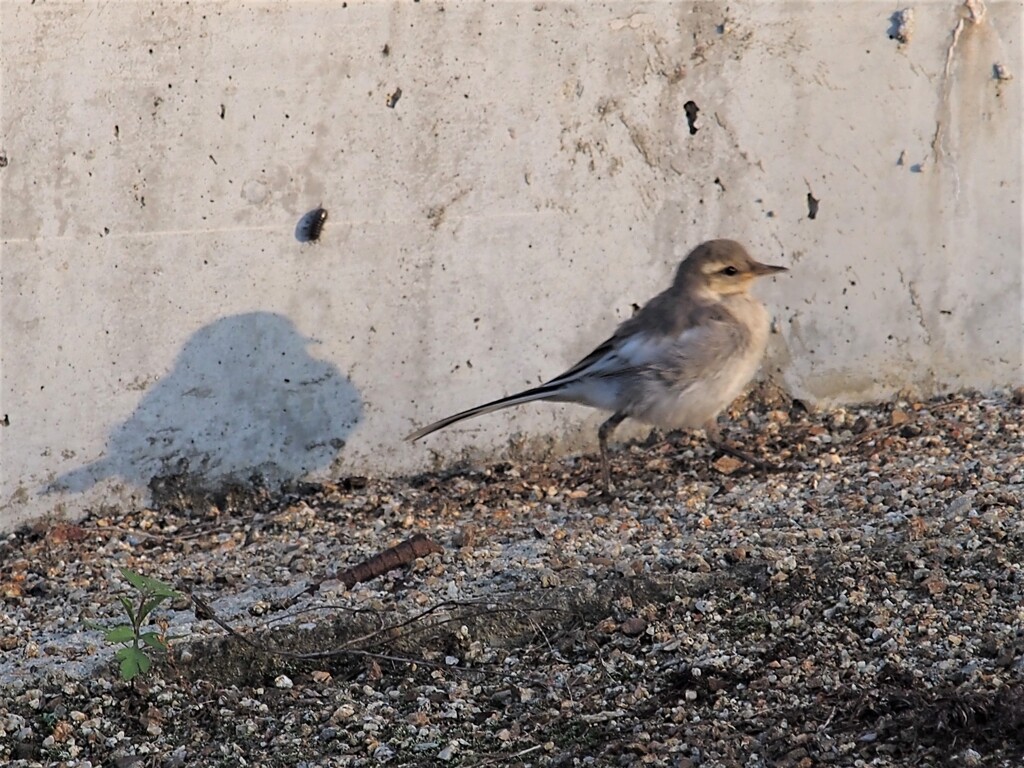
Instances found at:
x=504 y=181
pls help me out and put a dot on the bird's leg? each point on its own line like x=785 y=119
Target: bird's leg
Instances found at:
x=715 y=438
x=603 y=433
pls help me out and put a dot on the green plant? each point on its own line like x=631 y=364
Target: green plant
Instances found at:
x=138 y=644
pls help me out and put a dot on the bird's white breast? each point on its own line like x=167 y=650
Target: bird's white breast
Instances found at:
x=719 y=380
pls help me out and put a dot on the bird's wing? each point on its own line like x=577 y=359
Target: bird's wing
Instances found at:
x=652 y=339
x=703 y=349
x=600 y=359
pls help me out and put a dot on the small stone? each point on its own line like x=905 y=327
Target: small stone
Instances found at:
x=383 y=753
x=283 y=681
x=465 y=537
x=971 y=757
x=935 y=583
x=342 y=713
x=633 y=627
x=727 y=464
x=448 y=752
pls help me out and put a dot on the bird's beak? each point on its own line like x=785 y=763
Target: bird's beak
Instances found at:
x=768 y=269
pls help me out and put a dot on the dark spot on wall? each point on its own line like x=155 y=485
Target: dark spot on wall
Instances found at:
x=901 y=26
x=812 y=206
x=691 y=110
x=311 y=225
x=394 y=97
x=386 y=50
x=221 y=111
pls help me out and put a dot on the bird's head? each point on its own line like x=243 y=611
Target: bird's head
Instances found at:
x=721 y=268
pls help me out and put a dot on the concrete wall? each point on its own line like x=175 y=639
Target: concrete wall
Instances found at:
x=504 y=181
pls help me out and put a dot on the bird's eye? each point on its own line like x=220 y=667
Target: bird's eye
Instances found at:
x=730 y=271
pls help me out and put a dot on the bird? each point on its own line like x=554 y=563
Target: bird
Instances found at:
x=676 y=363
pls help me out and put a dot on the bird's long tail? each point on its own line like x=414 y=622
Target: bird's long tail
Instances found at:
x=543 y=392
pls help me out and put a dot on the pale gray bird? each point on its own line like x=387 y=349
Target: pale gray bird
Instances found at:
x=677 y=362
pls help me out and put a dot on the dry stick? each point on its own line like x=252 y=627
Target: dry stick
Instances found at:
x=392 y=557
x=401 y=554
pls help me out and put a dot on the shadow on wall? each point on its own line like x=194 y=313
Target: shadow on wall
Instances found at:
x=244 y=398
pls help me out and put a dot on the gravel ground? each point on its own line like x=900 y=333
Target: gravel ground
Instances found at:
x=862 y=607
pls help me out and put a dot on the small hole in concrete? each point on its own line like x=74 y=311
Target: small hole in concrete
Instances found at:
x=691 y=110
x=812 y=206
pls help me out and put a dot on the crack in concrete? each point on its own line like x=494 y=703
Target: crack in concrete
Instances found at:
x=639 y=140
x=975 y=15
x=915 y=302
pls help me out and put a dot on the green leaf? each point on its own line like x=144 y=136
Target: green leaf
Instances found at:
x=146 y=584
x=121 y=634
x=89 y=624
x=133 y=662
x=128 y=607
x=153 y=640
x=148 y=607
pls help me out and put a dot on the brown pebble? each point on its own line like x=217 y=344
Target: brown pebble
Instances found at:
x=860 y=425
x=633 y=627
x=465 y=536
x=727 y=465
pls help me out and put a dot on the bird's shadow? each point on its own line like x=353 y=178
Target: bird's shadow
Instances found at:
x=244 y=398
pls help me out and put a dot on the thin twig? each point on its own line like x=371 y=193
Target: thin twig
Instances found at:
x=385 y=633
x=505 y=758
